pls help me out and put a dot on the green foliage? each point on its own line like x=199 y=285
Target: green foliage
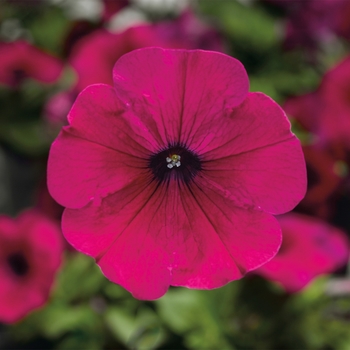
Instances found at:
x=246 y=26
x=193 y=314
x=56 y=27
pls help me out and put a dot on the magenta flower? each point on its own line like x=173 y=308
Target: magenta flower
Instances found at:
x=20 y=60
x=342 y=26
x=30 y=254
x=57 y=107
x=171 y=176
x=334 y=90
x=310 y=248
x=323 y=181
x=326 y=111
x=306 y=109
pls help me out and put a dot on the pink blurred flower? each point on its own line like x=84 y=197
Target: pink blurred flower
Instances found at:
x=171 y=176
x=323 y=181
x=306 y=109
x=342 y=20
x=30 y=253
x=334 y=90
x=326 y=111
x=20 y=60
x=57 y=107
x=310 y=248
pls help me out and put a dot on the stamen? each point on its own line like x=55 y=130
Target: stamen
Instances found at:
x=173 y=160
x=181 y=164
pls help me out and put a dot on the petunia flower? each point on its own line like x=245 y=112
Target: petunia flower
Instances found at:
x=20 y=60
x=306 y=109
x=334 y=90
x=326 y=111
x=30 y=254
x=57 y=107
x=342 y=26
x=171 y=176
x=323 y=181
x=310 y=248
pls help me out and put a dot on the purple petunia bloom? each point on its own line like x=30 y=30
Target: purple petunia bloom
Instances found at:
x=310 y=248
x=171 y=176
x=31 y=250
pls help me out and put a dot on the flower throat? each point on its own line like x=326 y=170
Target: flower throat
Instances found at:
x=175 y=162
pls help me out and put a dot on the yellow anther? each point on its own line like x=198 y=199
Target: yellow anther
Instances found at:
x=173 y=161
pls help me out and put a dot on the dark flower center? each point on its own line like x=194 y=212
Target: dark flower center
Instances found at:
x=18 y=75
x=18 y=264
x=176 y=162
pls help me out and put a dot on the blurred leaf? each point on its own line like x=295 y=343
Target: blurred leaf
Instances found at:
x=60 y=319
x=189 y=312
x=80 y=278
x=140 y=331
x=121 y=323
x=80 y=341
x=114 y=291
x=67 y=79
x=57 y=319
x=49 y=28
x=293 y=83
x=26 y=137
x=248 y=25
x=304 y=136
x=265 y=85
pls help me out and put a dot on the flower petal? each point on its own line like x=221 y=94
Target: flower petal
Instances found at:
x=99 y=116
x=229 y=241
x=138 y=263
x=259 y=162
x=80 y=171
x=177 y=92
x=98 y=153
x=144 y=238
x=121 y=235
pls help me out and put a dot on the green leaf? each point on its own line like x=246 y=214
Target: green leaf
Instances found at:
x=80 y=278
x=251 y=26
x=142 y=330
x=55 y=24
x=28 y=137
x=190 y=313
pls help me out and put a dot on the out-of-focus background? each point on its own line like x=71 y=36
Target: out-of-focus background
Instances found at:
x=51 y=297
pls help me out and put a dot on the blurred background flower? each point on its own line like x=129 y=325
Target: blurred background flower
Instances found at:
x=31 y=253
x=310 y=248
